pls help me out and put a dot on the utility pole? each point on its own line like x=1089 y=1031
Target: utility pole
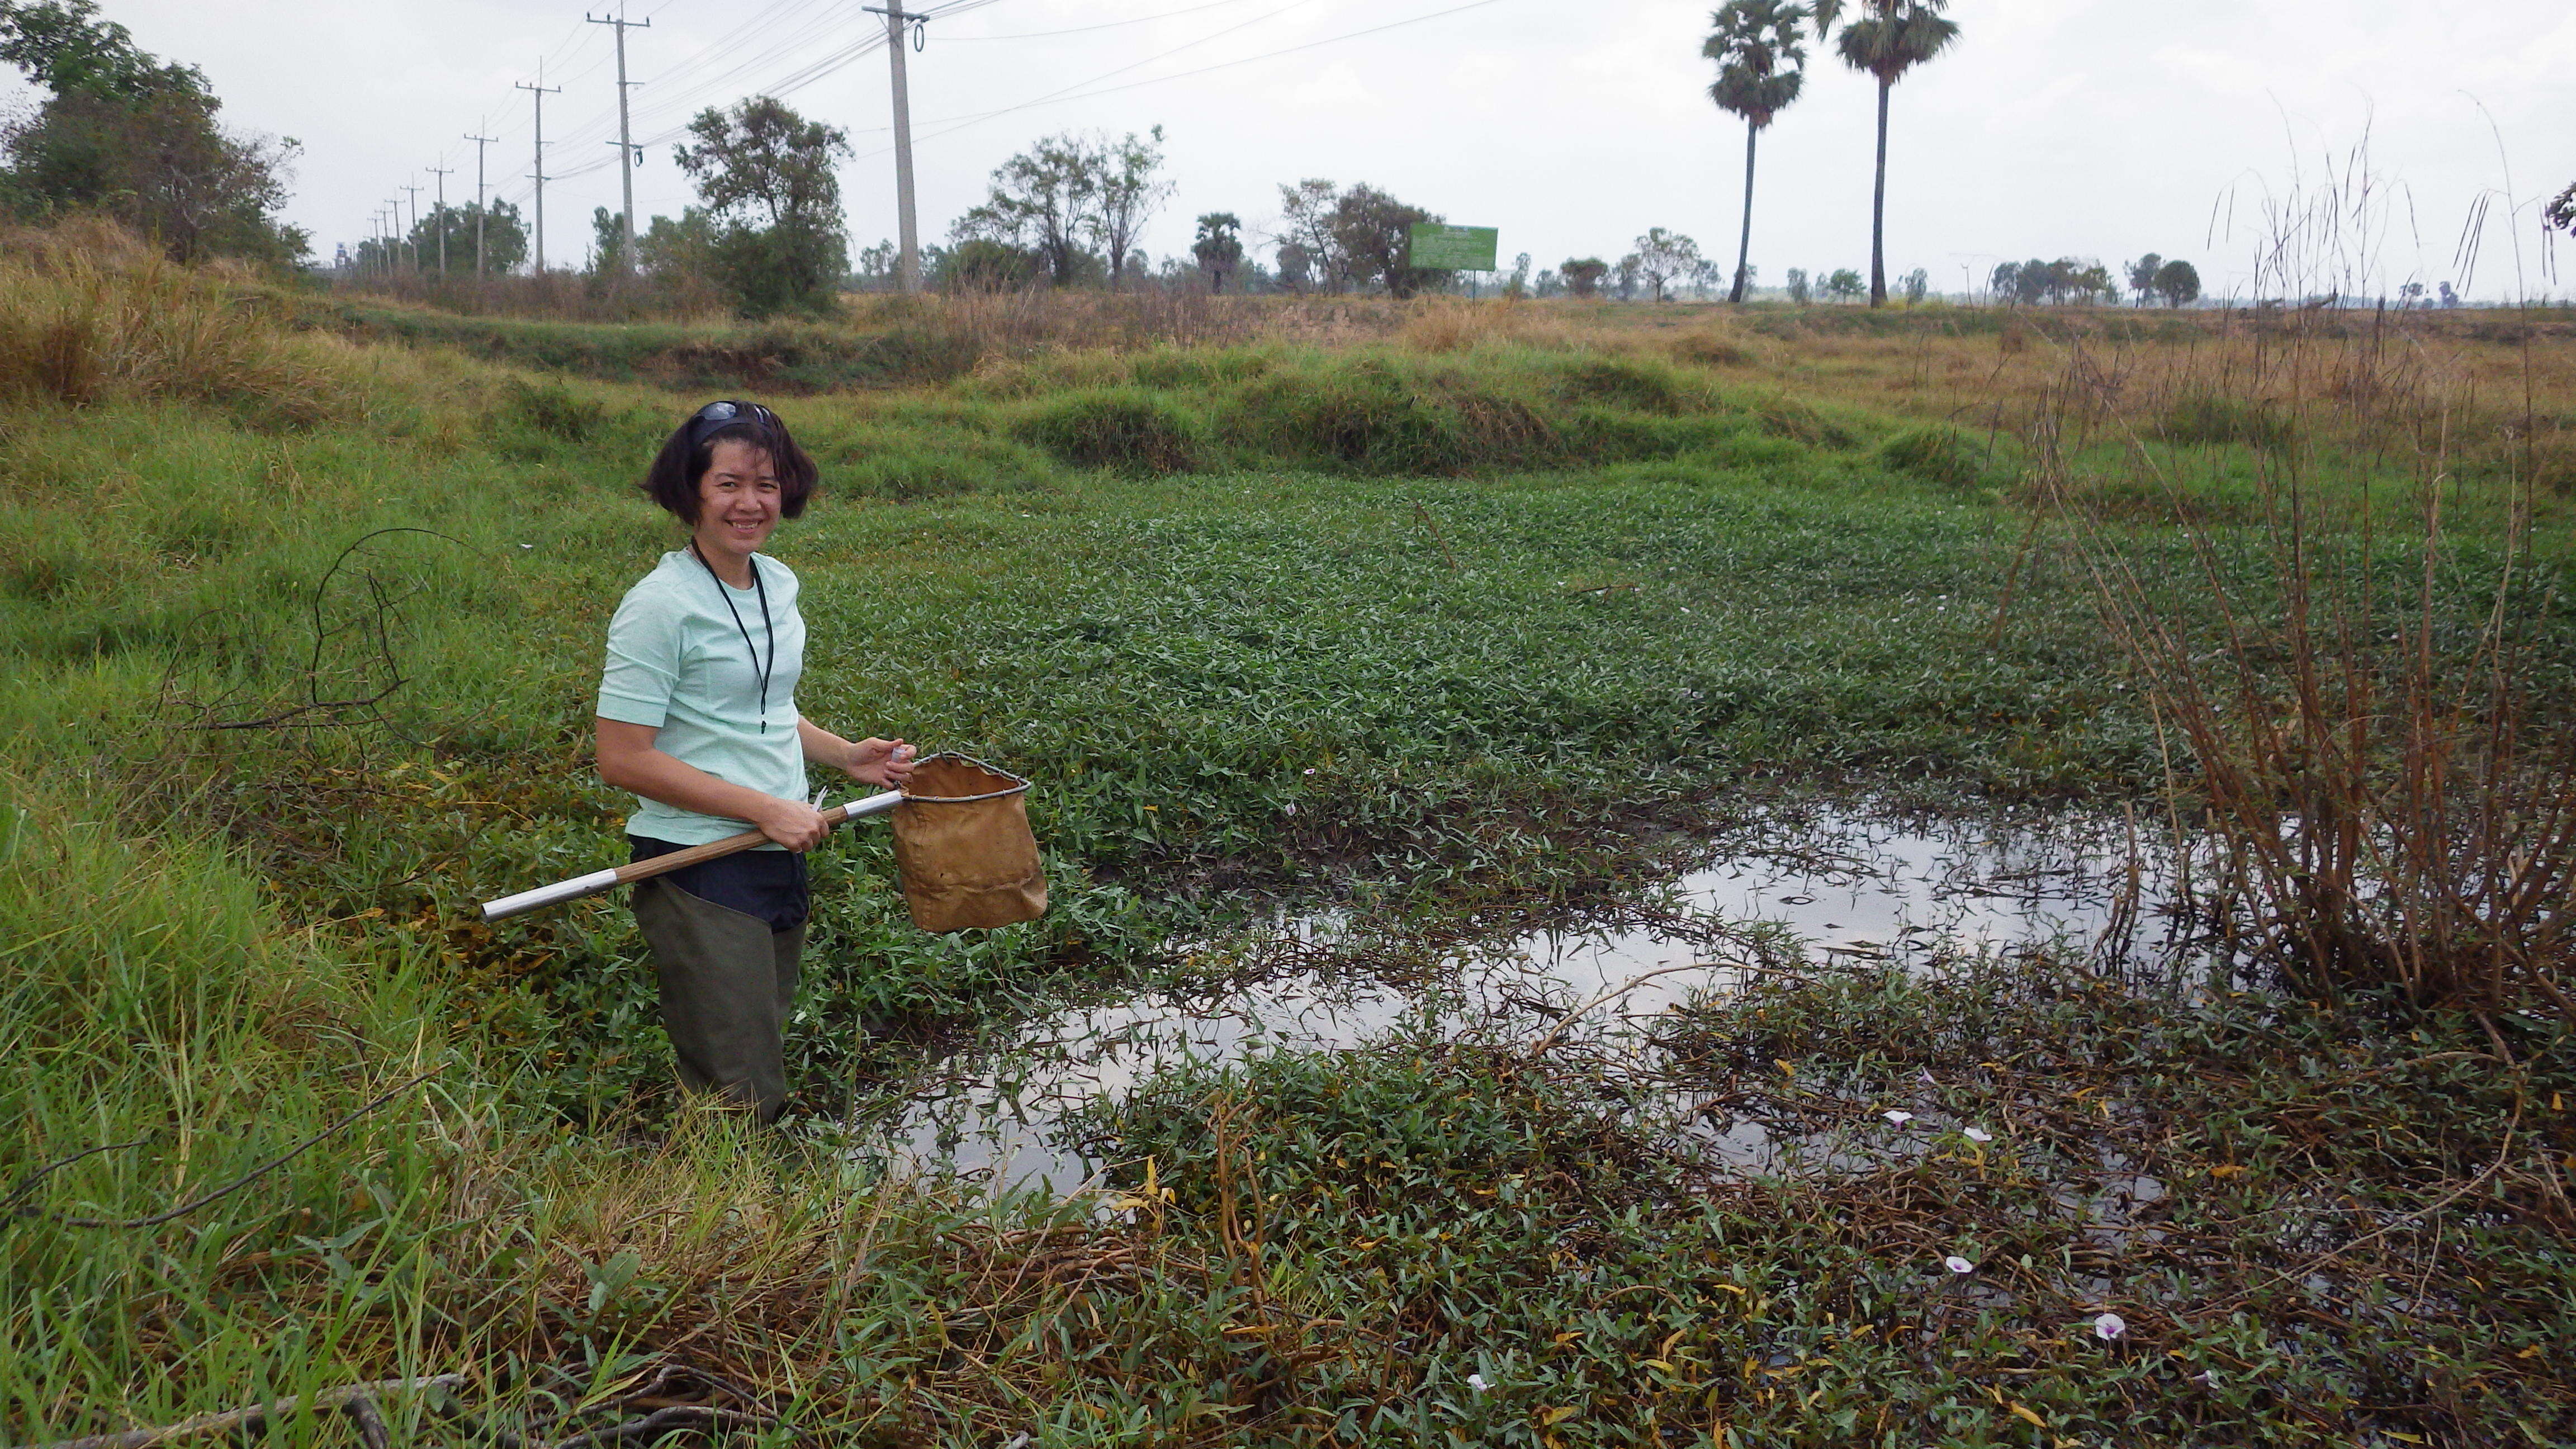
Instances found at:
x=393 y=233
x=479 y=143
x=907 y=232
x=440 y=215
x=626 y=158
x=413 y=235
x=540 y=91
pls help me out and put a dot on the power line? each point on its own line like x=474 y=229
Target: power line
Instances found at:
x=1105 y=25
x=1060 y=97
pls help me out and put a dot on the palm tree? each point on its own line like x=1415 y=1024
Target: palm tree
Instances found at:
x=1890 y=38
x=1760 y=67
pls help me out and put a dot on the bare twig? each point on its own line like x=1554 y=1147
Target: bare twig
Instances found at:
x=1436 y=536
x=237 y=1184
x=1567 y=1020
x=662 y=1421
x=340 y=1398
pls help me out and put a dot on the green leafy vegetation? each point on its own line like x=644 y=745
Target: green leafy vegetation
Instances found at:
x=1484 y=627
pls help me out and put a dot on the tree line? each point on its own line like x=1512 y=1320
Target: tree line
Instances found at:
x=124 y=134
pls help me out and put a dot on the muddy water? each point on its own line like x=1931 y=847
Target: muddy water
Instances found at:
x=1851 y=886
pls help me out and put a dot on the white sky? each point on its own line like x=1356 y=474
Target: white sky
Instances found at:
x=2053 y=127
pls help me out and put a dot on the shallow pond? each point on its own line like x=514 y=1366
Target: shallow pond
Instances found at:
x=1848 y=884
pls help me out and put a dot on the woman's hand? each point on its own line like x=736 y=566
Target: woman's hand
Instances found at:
x=880 y=762
x=791 y=823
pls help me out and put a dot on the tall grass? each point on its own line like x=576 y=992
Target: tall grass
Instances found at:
x=2357 y=707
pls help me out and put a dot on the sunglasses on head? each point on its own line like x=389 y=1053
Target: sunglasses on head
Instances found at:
x=716 y=414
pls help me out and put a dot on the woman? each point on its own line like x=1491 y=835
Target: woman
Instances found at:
x=697 y=716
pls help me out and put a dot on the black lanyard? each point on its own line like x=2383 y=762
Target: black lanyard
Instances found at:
x=759 y=670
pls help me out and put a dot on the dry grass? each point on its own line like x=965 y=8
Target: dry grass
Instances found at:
x=90 y=313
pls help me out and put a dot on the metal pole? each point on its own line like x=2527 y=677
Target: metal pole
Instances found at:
x=479 y=143
x=625 y=135
x=540 y=91
x=440 y=216
x=907 y=231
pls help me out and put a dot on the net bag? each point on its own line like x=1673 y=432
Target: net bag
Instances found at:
x=962 y=843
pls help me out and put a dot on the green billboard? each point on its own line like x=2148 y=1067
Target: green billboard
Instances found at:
x=1452 y=248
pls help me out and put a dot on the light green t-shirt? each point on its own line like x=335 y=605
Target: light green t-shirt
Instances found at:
x=678 y=662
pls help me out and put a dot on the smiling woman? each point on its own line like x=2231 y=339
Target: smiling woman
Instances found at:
x=697 y=716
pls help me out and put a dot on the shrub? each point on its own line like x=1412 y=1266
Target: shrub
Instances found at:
x=1711 y=349
x=2211 y=418
x=1645 y=386
x=1126 y=430
x=1941 y=455
x=1356 y=416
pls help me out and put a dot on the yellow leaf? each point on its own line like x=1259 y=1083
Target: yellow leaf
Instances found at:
x=1787 y=1069
x=2556 y=1105
x=2531 y=1352
x=1569 y=1335
x=2027 y=1414
x=2404 y=1437
x=1731 y=1288
x=2228 y=1169
x=1657 y=1363
x=1550 y=1418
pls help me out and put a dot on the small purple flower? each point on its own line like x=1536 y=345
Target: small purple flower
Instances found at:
x=2109 y=1326
x=1957 y=1264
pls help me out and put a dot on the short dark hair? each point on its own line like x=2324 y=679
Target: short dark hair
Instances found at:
x=673 y=479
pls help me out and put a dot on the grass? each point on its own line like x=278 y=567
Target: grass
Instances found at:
x=1436 y=613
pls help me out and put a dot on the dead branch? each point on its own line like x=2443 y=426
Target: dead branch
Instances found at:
x=340 y=1398
x=236 y=1185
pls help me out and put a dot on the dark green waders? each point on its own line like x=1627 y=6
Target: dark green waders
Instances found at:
x=728 y=985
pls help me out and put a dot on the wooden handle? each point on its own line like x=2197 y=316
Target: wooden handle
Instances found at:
x=636 y=870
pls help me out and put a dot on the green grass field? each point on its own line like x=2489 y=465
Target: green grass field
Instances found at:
x=1497 y=632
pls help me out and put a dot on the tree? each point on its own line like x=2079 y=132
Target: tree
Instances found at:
x=1797 y=285
x=1760 y=69
x=1041 y=200
x=505 y=236
x=2142 y=276
x=1890 y=38
x=1372 y=235
x=981 y=264
x=1843 y=285
x=123 y=133
x=766 y=176
x=1219 y=247
x=1517 y=284
x=1918 y=285
x=2177 y=282
x=682 y=248
x=1629 y=269
x=1296 y=267
x=2561 y=211
x=1583 y=275
x=1128 y=195
x=1306 y=223
x=877 y=268
x=1662 y=256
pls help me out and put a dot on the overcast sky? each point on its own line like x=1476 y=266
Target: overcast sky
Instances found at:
x=2052 y=127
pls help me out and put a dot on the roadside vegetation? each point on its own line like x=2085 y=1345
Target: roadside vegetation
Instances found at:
x=1451 y=615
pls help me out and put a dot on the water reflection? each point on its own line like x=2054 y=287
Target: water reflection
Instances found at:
x=1847 y=885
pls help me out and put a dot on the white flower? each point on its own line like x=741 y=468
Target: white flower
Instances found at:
x=1957 y=1264
x=2109 y=1326
x=1477 y=1382
x=1926 y=1074
x=1310 y=769
x=1290 y=807
x=1976 y=1134
x=1897 y=1115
